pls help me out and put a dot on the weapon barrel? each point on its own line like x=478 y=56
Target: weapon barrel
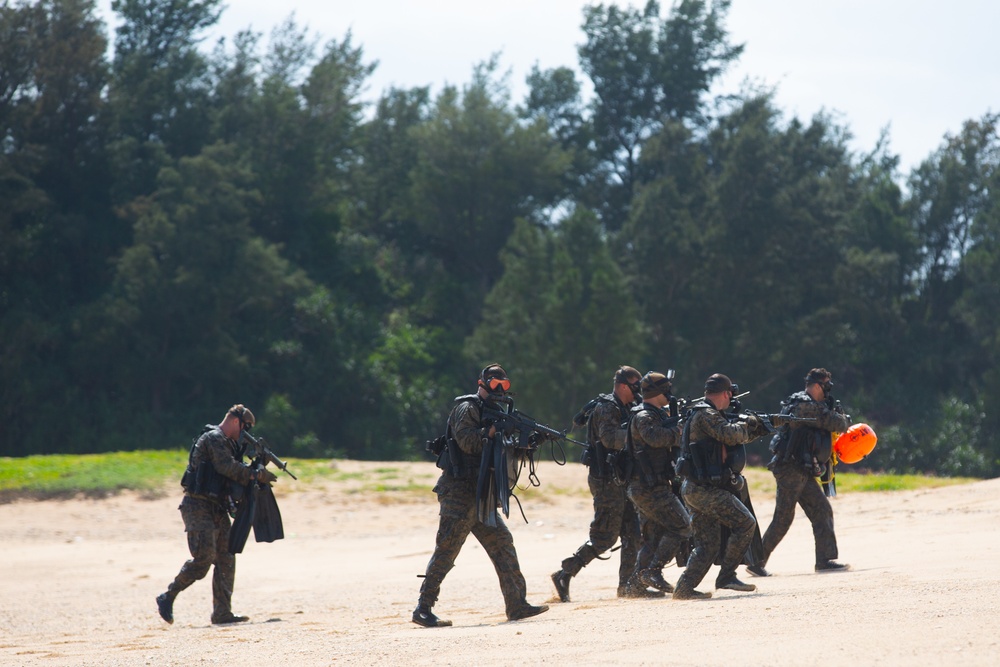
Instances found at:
x=278 y=463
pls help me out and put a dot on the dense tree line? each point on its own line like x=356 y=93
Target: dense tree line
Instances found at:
x=184 y=226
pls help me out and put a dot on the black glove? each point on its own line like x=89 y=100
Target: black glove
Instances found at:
x=265 y=476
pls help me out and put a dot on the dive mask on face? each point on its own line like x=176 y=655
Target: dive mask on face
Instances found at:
x=497 y=385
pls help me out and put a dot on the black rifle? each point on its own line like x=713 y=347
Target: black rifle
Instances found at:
x=257 y=450
x=770 y=421
x=256 y=506
x=509 y=422
x=493 y=486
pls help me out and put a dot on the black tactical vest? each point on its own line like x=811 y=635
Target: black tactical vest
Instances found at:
x=654 y=465
x=200 y=477
x=460 y=465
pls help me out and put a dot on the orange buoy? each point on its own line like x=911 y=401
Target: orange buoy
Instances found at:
x=856 y=443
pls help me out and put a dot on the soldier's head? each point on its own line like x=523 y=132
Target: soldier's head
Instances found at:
x=819 y=383
x=493 y=381
x=719 y=390
x=238 y=419
x=627 y=384
x=656 y=387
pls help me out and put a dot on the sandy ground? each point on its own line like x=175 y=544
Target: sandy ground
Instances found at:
x=79 y=578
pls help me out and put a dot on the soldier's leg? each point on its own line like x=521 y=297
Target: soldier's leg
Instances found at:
x=789 y=482
x=733 y=514
x=706 y=544
x=707 y=537
x=201 y=544
x=675 y=524
x=631 y=540
x=223 y=578
x=647 y=571
x=604 y=528
x=820 y=514
x=199 y=525
x=499 y=546
x=454 y=525
x=603 y=533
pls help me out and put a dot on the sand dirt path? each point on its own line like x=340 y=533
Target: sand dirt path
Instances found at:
x=79 y=578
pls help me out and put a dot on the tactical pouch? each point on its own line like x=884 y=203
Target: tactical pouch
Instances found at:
x=621 y=465
x=454 y=458
x=436 y=446
x=683 y=467
x=187 y=479
x=646 y=471
x=208 y=481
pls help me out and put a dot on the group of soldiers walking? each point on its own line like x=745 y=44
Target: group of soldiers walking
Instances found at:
x=666 y=480
x=666 y=483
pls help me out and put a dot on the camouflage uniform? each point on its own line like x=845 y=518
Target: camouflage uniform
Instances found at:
x=457 y=498
x=666 y=523
x=712 y=503
x=207 y=523
x=614 y=515
x=792 y=469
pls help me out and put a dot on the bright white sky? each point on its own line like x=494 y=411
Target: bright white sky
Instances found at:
x=918 y=67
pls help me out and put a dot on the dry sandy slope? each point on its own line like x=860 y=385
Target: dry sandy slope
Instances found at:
x=79 y=578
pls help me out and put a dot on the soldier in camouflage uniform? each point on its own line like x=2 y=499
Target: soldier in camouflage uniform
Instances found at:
x=214 y=464
x=614 y=515
x=800 y=450
x=666 y=524
x=708 y=486
x=456 y=492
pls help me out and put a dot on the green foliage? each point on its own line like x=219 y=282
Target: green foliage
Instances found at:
x=183 y=229
x=561 y=319
x=645 y=70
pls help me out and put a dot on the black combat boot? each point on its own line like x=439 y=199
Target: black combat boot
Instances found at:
x=685 y=591
x=526 y=611
x=653 y=578
x=681 y=593
x=832 y=566
x=423 y=615
x=561 y=580
x=165 y=605
x=730 y=582
x=758 y=570
x=226 y=619
x=638 y=591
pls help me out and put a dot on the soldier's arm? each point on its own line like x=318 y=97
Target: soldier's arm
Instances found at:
x=826 y=419
x=715 y=425
x=221 y=456
x=650 y=427
x=466 y=426
x=606 y=418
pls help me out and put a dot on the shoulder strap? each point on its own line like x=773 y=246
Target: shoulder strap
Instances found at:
x=583 y=416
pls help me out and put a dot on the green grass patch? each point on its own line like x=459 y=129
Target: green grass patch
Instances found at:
x=89 y=474
x=847 y=482
x=154 y=472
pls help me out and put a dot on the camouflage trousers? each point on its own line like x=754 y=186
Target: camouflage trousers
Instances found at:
x=711 y=508
x=457 y=498
x=207 y=525
x=666 y=523
x=614 y=517
x=797 y=486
